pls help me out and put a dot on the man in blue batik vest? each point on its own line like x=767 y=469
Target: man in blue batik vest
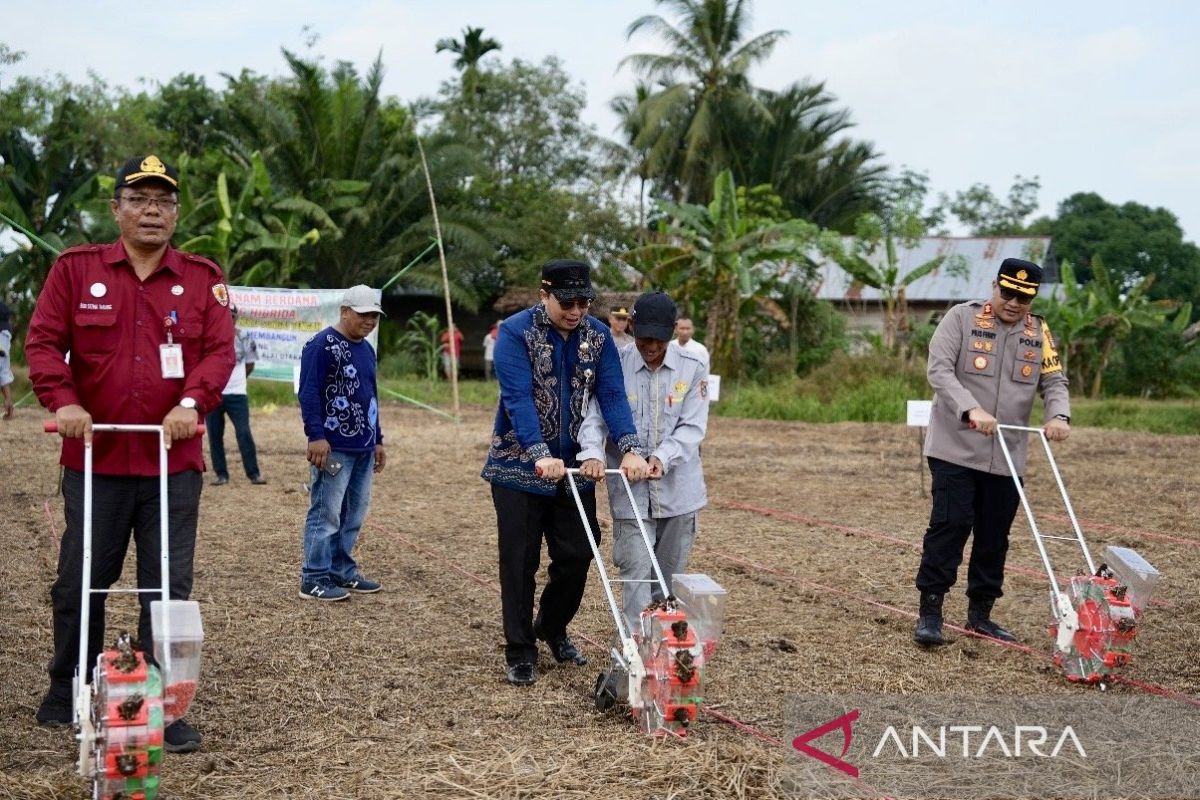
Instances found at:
x=551 y=361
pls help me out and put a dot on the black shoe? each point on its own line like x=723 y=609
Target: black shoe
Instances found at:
x=523 y=674
x=929 y=621
x=220 y=481
x=979 y=620
x=986 y=627
x=179 y=737
x=563 y=650
x=55 y=712
x=258 y=480
x=929 y=630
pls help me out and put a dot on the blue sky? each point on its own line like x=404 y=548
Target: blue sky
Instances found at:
x=1088 y=96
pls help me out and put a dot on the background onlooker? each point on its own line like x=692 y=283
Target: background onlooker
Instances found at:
x=236 y=404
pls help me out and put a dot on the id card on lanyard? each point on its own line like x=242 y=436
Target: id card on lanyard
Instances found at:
x=171 y=354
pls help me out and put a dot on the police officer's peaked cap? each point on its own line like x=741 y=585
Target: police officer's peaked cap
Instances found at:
x=1020 y=276
x=621 y=312
x=567 y=279
x=654 y=316
x=144 y=168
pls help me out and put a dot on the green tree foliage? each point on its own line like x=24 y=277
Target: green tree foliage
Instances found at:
x=1092 y=319
x=800 y=148
x=52 y=144
x=1136 y=240
x=328 y=136
x=873 y=259
x=470 y=50
x=985 y=214
x=540 y=175
x=717 y=258
x=691 y=124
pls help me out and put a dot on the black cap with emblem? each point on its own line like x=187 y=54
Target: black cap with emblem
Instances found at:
x=567 y=279
x=1020 y=276
x=654 y=316
x=145 y=168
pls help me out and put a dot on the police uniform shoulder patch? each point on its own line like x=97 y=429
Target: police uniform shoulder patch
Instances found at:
x=704 y=388
x=1051 y=363
x=221 y=293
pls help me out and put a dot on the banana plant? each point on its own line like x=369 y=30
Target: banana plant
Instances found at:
x=254 y=236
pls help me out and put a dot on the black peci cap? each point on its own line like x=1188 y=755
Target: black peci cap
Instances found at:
x=567 y=280
x=1020 y=275
x=144 y=168
x=654 y=316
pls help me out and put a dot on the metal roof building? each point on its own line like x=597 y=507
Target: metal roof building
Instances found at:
x=981 y=254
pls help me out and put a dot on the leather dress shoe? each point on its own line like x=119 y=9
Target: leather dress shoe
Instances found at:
x=522 y=674
x=563 y=650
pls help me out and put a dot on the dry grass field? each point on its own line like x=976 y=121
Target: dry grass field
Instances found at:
x=813 y=530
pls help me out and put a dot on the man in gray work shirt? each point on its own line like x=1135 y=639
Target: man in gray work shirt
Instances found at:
x=668 y=394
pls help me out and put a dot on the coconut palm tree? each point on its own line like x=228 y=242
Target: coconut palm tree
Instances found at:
x=690 y=125
x=802 y=150
x=470 y=51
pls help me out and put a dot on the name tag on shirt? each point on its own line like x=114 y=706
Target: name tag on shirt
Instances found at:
x=171 y=356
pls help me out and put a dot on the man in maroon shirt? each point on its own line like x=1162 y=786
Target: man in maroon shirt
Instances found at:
x=129 y=332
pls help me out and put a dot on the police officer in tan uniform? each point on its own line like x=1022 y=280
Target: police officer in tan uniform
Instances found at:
x=986 y=362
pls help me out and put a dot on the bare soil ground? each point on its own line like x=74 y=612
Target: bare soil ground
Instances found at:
x=814 y=530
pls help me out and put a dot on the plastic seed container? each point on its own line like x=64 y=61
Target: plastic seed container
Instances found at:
x=704 y=600
x=178 y=638
x=1133 y=571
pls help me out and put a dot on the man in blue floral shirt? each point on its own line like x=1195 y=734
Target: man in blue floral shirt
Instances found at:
x=340 y=407
x=552 y=360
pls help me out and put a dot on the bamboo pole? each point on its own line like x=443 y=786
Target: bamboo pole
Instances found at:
x=437 y=227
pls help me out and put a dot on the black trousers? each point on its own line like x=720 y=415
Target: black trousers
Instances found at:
x=966 y=499
x=121 y=505
x=523 y=519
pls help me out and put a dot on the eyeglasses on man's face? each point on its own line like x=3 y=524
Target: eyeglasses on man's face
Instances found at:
x=1008 y=295
x=140 y=202
x=582 y=303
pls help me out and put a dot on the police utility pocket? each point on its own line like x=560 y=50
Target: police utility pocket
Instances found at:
x=980 y=363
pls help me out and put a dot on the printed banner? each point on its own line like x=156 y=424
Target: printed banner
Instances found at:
x=281 y=320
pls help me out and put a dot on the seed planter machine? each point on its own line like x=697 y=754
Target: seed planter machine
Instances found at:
x=120 y=714
x=657 y=669
x=1095 y=617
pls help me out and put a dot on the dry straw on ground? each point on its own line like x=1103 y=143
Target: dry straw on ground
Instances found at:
x=401 y=694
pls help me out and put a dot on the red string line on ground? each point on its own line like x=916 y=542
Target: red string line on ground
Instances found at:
x=1153 y=688
x=1149 y=534
x=488 y=584
x=873 y=534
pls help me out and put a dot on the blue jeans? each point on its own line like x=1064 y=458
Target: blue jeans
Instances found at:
x=237 y=406
x=335 y=516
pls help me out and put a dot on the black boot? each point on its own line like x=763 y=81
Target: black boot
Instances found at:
x=979 y=620
x=929 y=624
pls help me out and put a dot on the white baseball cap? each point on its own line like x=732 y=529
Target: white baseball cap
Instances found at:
x=362 y=299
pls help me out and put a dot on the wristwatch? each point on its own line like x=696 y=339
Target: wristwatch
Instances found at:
x=1063 y=417
x=187 y=402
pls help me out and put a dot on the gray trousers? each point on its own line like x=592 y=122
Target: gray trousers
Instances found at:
x=672 y=538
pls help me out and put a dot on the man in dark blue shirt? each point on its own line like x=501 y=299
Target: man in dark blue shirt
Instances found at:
x=551 y=361
x=340 y=407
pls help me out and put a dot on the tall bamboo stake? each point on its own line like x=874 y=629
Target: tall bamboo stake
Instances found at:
x=437 y=229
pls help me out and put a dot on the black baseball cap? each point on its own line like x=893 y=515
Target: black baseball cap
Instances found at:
x=145 y=168
x=1020 y=275
x=654 y=316
x=567 y=279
